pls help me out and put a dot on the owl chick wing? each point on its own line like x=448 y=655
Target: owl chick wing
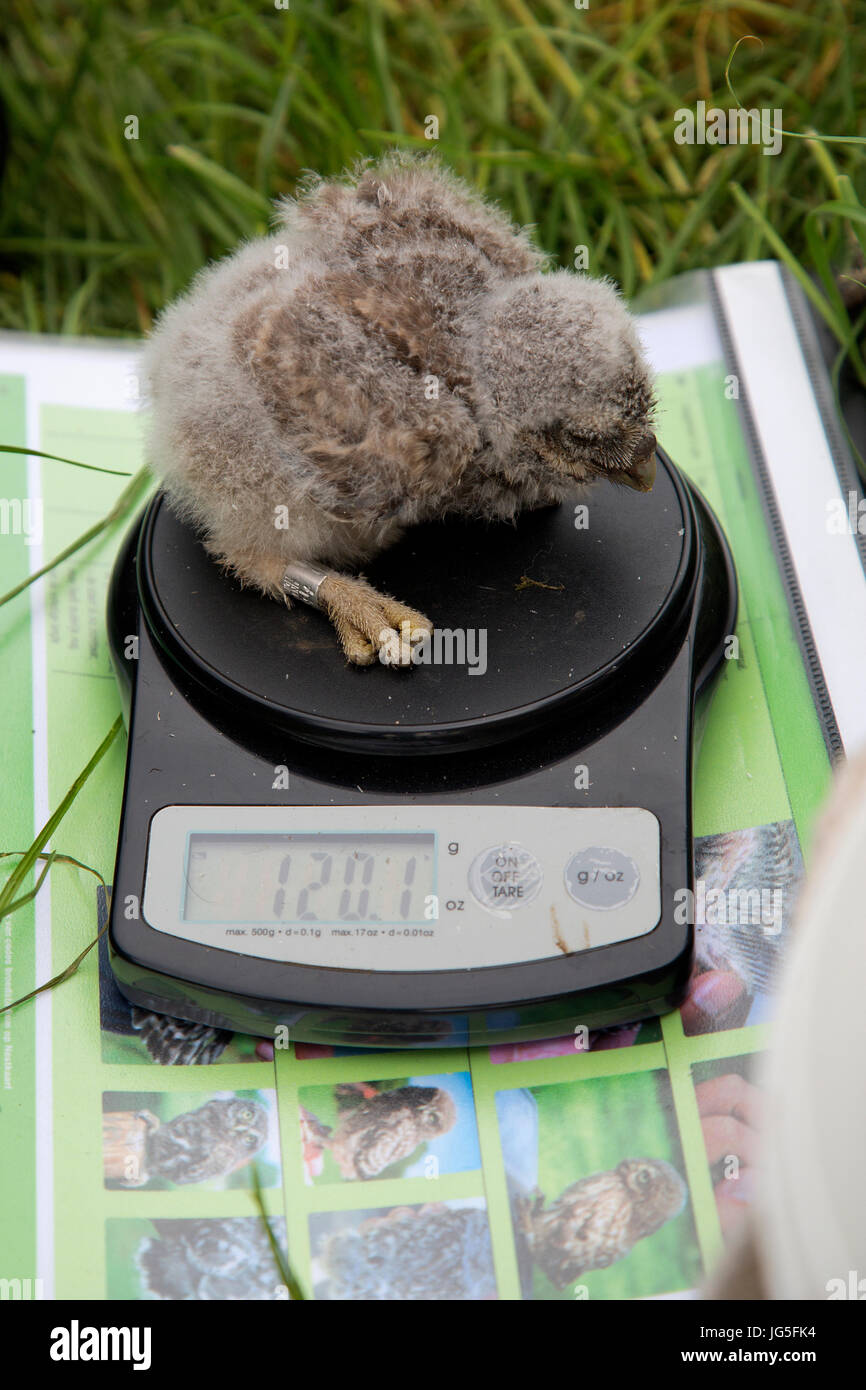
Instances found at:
x=355 y=372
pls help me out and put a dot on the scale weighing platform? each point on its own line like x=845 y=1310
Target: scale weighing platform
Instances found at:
x=484 y=848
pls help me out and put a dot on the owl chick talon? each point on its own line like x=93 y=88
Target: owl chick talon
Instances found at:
x=357 y=649
x=370 y=624
x=397 y=645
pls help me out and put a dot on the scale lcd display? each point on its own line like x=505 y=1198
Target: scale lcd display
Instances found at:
x=293 y=879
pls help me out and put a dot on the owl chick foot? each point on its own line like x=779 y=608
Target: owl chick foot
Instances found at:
x=369 y=625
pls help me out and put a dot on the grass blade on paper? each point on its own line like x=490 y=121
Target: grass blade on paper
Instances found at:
x=76 y=463
x=117 y=512
x=296 y=1293
x=30 y=856
x=53 y=857
x=11 y=900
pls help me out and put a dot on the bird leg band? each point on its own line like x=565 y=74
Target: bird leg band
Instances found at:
x=303 y=582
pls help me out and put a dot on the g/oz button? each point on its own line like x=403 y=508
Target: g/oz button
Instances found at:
x=601 y=878
x=505 y=876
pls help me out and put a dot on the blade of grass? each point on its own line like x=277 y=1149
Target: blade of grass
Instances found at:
x=36 y=167
x=222 y=179
x=840 y=328
x=780 y=130
x=296 y=1293
x=381 y=67
x=30 y=856
x=121 y=506
x=53 y=857
x=76 y=463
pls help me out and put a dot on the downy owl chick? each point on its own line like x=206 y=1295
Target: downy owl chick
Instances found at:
x=391 y=355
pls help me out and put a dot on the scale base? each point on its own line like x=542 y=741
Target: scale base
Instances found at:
x=601 y=649
x=645 y=998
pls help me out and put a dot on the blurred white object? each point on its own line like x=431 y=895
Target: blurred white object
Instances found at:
x=805 y=1237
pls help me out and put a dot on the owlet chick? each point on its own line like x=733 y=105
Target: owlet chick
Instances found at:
x=210 y=1142
x=220 y=1258
x=392 y=354
x=597 y=1220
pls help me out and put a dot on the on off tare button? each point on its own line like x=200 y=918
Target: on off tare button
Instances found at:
x=601 y=878
x=505 y=876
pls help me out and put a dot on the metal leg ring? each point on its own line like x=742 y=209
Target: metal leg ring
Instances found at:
x=303 y=582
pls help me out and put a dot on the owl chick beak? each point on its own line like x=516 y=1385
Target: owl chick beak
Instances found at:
x=641 y=472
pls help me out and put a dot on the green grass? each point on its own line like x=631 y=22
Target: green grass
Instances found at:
x=565 y=116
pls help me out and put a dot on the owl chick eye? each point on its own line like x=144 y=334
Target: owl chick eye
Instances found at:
x=251 y=1141
x=247 y=1114
x=433 y=1119
x=644 y=1177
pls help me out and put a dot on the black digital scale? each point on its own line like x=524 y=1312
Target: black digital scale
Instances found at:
x=481 y=849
